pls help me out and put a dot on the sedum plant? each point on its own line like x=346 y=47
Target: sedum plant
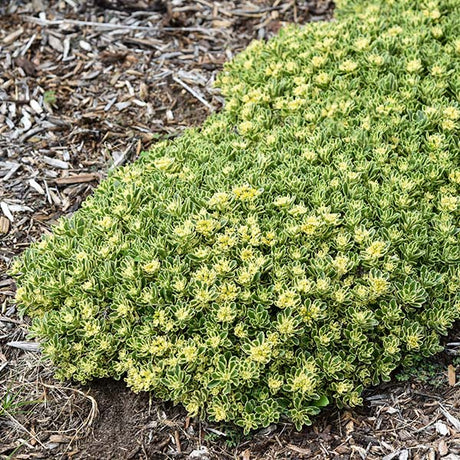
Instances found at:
x=297 y=248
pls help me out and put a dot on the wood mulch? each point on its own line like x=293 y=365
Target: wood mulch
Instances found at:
x=85 y=86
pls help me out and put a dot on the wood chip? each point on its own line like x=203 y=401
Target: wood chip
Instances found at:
x=26 y=346
x=19 y=208
x=36 y=107
x=143 y=91
x=58 y=438
x=6 y=211
x=77 y=179
x=442 y=448
x=349 y=427
x=122 y=105
x=56 y=163
x=10 y=38
x=392 y=455
x=55 y=43
x=4 y=225
x=90 y=75
x=451 y=375
x=455 y=422
x=36 y=186
x=85 y=45
x=451 y=456
x=299 y=450
x=26 y=121
x=441 y=428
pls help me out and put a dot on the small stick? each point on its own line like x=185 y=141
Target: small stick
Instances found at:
x=193 y=93
x=6 y=211
x=16 y=101
x=22 y=427
x=176 y=436
x=28 y=45
x=453 y=420
x=108 y=25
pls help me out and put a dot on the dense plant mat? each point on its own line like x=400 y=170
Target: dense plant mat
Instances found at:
x=297 y=248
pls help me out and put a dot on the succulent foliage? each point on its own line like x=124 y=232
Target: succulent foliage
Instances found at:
x=298 y=247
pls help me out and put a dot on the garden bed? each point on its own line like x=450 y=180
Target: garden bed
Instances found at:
x=57 y=153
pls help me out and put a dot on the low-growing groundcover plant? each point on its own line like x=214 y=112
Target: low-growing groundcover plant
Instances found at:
x=297 y=248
